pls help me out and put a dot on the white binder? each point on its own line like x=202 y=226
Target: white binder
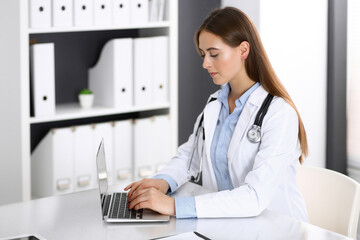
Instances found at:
x=161 y=16
x=52 y=164
x=105 y=131
x=84 y=158
x=160 y=68
x=42 y=68
x=40 y=13
x=120 y=12
x=62 y=13
x=139 y=11
x=153 y=10
x=161 y=139
x=151 y=145
x=102 y=12
x=123 y=145
x=143 y=132
x=111 y=78
x=142 y=71
x=83 y=12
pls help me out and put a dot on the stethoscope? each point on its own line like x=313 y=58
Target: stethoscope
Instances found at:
x=253 y=135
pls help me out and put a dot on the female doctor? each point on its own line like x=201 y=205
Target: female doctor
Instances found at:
x=247 y=141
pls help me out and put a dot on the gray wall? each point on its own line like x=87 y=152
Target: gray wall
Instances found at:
x=195 y=84
x=336 y=99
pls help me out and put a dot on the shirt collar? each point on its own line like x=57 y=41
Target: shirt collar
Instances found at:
x=224 y=93
x=242 y=100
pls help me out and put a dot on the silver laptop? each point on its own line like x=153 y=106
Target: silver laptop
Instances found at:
x=114 y=206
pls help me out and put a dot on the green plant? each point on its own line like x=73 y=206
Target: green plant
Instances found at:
x=86 y=91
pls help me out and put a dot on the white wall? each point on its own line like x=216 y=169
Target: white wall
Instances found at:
x=294 y=34
x=251 y=8
x=353 y=89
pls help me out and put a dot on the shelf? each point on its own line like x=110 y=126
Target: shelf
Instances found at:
x=162 y=24
x=74 y=111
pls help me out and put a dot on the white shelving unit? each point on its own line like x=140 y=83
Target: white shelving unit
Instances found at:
x=74 y=111
x=15 y=121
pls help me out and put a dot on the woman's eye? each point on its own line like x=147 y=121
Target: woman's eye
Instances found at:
x=214 y=55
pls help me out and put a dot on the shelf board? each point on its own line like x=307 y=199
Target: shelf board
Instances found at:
x=162 y=24
x=74 y=111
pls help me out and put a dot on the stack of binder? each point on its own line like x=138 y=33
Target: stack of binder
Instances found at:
x=64 y=161
x=150 y=70
x=131 y=72
x=68 y=13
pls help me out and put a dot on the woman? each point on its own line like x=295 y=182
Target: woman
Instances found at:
x=246 y=176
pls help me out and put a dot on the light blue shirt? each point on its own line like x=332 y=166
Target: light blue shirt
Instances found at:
x=185 y=206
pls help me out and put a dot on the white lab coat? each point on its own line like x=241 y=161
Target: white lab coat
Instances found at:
x=263 y=174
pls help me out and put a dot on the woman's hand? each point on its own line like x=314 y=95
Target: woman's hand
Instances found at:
x=145 y=183
x=153 y=199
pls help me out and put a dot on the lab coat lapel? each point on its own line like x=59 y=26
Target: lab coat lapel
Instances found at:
x=254 y=102
x=211 y=115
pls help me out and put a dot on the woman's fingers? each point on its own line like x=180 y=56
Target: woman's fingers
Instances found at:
x=141 y=197
x=154 y=199
x=159 y=184
x=134 y=186
x=128 y=186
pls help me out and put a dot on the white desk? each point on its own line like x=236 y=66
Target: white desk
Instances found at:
x=78 y=216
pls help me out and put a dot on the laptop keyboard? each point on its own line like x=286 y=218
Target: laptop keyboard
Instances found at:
x=120 y=208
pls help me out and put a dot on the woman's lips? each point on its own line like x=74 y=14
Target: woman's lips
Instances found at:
x=212 y=74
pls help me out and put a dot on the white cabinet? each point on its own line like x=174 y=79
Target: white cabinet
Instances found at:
x=15 y=121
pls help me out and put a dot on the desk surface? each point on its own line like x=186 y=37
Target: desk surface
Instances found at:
x=78 y=216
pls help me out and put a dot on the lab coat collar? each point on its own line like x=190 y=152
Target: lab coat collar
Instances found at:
x=258 y=96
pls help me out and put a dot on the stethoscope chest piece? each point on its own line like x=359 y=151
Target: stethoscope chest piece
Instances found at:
x=254 y=133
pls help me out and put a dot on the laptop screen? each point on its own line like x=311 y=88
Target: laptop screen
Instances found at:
x=101 y=169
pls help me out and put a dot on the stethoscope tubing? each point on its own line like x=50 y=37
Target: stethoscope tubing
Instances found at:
x=254 y=134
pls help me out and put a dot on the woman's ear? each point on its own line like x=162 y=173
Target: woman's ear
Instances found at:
x=244 y=50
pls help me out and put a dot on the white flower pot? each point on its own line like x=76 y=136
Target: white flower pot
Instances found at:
x=86 y=100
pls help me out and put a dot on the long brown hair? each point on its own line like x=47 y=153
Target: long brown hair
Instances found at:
x=234 y=27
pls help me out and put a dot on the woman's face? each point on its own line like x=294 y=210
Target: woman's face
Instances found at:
x=223 y=62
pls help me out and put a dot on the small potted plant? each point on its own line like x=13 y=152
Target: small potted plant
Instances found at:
x=86 y=98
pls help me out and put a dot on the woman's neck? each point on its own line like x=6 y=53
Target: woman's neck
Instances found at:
x=238 y=88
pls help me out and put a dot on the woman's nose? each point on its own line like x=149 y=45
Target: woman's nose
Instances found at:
x=206 y=63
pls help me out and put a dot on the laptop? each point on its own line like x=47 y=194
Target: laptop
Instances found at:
x=114 y=206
